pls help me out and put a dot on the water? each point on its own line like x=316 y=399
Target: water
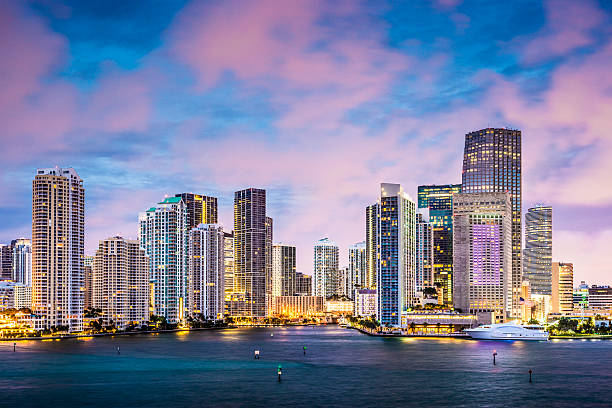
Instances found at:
x=341 y=367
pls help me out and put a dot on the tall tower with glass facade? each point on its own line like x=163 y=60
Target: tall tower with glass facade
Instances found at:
x=325 y=279
x=537 y=255
x=424 y=251
x=358 y=267
x=492 y=163
x=58 y=238
x=283 y=270
x=251 y=232
x=438 y=199
x=163 y=236
x=200 y=209
x=372 y=213
x=396 y=272
x=22 y=261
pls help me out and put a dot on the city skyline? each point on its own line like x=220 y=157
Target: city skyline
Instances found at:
x=320 y=157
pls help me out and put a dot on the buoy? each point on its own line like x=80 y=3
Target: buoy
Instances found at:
x=271 y=334
x=280 y=372
x=256 y=354
x=494 y=354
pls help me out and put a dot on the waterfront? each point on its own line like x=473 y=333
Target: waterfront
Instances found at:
x=341 y=367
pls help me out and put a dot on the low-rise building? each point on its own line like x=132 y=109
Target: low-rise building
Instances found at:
x=366 y=302
x=297 y=306
x=437 y=321
x=339 y=307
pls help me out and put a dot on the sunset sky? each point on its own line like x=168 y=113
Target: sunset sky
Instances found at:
x=315 y=101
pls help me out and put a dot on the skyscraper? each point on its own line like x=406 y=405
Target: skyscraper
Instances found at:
x=283 y=270
x=424 y=251
x=482 y=252
x=325 y=277
x=303 y=284
x=537 y=255
x=372 y=213
x=438 y=199
x=562 y=287
x=200 y=209
x=396 y=270
x=358 y=267
x=22 y=261
x=345 y=283
x=58 y=221
x=492 y=163
x=205 y=289
x=121 y=282
x=88 y=285
x=163 y=236
x=228 y=260
x=6 y=262
x=250 y=252
x=269 y=241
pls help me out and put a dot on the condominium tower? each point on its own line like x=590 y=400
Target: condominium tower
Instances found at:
x=492 y=163
x=357 y=267
x=424 y=252
x=58 y=221
x=121 y=282
x=537 y=255
x=482 y=252
x=6 y=262
x=22 y=261
x=200 y=209
x=562 y=287
x=283 y=270
x=163 y=236
x=325 y=279
x=396 y=272
x=205 y=288
x=372 y=214
x=250 y=235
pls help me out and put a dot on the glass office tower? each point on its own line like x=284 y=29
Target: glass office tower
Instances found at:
x=537 y=255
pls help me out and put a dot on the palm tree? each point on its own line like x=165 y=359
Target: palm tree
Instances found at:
x=412 y=327
x=438 y=327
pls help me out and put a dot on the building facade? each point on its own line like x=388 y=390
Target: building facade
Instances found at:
x=492 y=163
x=6 y=262
x=120 y=282
x=88 y=261
x=163 y=236
x=482 y=252
x=562 y=287
x=206 y=272
x=283 y=270
x=537 y=254
x=396 y=272
x=372 y=215
x=325 y=280
x=22 y=261
x=297 y=306
x=366 y=303
x=424 y=251
x=58 y=238
x=250 y=236
x=303 y=284
x=438 y=200
x=358 y=267
x=200 y=209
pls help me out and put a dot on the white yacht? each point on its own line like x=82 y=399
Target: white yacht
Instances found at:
x=508 y=331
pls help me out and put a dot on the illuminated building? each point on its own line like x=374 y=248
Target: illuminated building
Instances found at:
x=357 y=267
x=600 y=298
x=6 y=262
x=163 y=236
x=88 y=276
x=438 y=199
x=200 y=209
x=424 y=251
x=537 y=255
x=482 y=253
x=268 y=260
x=366 y=302
x=562 y=287
x=492 y=163
x=228 y=260
x=7 y=297
x=541 y=307
x=526 y=303
x=205 y=291
x=345 y=283
x=22 y=296
x=339 y=307
x=580 y=296
x=436 y=322
x=325 y=280
x=22 y=261
x=250 y=236
x=58 y=221
x=120 y=282
x=372 y=213
x=303 y=284
x=396 y=271
x=297 y=306
x=283 y=270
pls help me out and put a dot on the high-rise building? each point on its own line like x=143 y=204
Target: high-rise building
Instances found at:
x=269 y=241
x=22 y=261
x=325 y=279
x=88 y=277
x=283 y=270
x=492 y=163
x=562 y=287
x=58 y=235
x=580 y=296
x=482 y=252
x=537 y=255
x=345 y=283
x=358 y=267
x=303 y=284
x=228 y=260
x=6 y=262
x=600 y=298
x=372 y=214
x=121 y=282
x=200 y=209
x=250 y=252
x=396 y=270
x=163 y=236
x=205 y=290
x=22 y=296
x=424 y=251
x=438 y=199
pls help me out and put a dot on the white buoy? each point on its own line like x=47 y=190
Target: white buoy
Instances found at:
x=271 y=334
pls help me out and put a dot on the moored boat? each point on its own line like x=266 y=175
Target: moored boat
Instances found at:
x=508 y=331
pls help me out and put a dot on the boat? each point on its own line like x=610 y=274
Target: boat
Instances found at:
x=508 y=331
